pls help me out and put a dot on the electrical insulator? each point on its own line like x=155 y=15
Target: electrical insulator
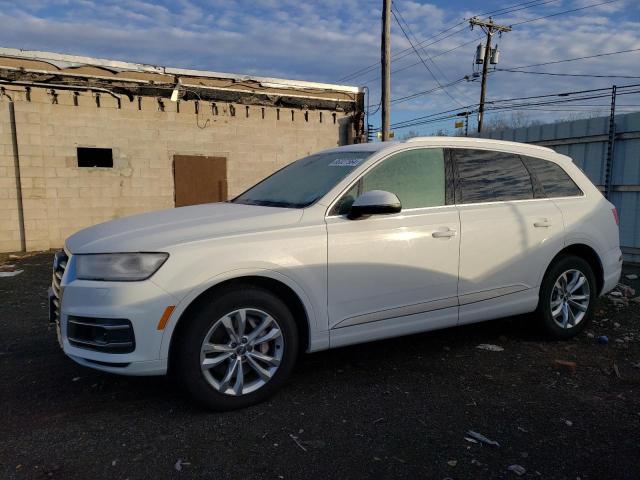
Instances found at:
x=495 y=55
x=480 y=54
x=370 y=134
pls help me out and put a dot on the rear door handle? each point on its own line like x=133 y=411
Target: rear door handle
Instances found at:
x=448 y=233
x=542 y=223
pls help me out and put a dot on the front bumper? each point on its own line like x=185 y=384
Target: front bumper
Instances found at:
x=140 y=305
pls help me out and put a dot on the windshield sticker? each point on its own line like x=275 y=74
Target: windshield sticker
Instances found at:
x=346 y=162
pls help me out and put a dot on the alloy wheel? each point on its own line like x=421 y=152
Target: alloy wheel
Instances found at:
x=242 y=351
x=570 y=299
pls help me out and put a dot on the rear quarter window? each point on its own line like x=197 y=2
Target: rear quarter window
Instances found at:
x=554 y=180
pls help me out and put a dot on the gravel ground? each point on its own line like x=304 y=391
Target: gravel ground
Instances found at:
x=397 y=408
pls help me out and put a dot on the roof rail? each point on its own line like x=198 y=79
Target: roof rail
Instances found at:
x=472 y=140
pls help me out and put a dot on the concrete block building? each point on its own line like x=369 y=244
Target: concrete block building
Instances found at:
x=85 y=140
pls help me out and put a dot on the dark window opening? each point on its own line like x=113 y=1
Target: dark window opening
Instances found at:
x=95 y=157
x=555 y=181
x=486 y=176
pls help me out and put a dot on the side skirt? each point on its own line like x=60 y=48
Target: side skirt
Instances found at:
x=393 y=327
x=503 y=306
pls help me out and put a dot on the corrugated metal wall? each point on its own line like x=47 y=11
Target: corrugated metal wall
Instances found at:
x=585 y=141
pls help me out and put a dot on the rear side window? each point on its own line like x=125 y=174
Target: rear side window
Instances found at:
x=486 y=176
x=555 y=181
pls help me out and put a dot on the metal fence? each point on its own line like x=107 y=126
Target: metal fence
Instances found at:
x=588 y=142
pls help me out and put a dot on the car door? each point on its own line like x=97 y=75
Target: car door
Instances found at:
x=389 y=266
x=509 y=233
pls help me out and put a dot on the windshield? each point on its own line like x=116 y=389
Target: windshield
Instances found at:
x=304 y=181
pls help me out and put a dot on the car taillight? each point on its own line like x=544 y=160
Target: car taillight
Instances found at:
x=614 y=210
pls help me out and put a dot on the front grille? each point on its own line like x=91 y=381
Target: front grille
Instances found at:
x=109 y=335
x=60 y=260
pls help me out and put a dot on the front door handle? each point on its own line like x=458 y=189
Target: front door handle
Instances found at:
x=448 y=233
x=542 y=223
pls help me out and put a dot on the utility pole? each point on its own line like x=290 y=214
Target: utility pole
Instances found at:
x=489 y=27
x=385 y=51
x=608 y=167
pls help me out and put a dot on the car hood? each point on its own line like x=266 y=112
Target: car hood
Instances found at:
x=156 y=231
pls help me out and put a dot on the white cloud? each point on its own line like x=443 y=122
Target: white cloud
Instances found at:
x=325 y=40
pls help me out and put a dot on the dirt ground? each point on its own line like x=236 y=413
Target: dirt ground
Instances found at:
x=400 y=408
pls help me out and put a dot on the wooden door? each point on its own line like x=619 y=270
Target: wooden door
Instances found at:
x=199 y=179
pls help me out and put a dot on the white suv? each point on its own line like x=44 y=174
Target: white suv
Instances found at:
x=349 y=245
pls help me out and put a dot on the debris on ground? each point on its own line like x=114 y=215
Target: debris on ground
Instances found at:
x=621 y=295
x=452 y=463
x=179 y=464
x=295 y=439
x=517 y=469
x=482 y=438
x=12 y=273
x=616 y=370
x=632 y=276
x=569 y=365
x=489 y=347
x=603 y=339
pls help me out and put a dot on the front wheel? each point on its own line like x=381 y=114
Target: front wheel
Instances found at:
x=238 y=349
x=567 y=297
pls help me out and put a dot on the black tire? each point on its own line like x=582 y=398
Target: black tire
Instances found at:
x=543 y=312
x=188 y=367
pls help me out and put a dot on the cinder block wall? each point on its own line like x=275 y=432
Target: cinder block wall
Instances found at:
x=59 y=198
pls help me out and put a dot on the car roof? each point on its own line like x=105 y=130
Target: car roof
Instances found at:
x=470 y=142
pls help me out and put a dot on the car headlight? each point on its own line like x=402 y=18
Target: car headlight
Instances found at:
x=118 y=267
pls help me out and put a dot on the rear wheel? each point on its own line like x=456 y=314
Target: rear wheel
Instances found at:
x=238 y=349
x=567 y=297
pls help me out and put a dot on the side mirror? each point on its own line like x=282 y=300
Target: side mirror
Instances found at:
x=374 y=202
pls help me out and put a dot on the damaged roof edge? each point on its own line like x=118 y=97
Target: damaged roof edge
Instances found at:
x=67 y=61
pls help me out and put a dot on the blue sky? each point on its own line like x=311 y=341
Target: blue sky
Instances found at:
x=325 y=40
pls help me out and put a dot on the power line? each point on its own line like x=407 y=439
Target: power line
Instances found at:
x=406 y=67
x=503 y=104
x=553 y=102
x=424 y=92
x=564 y=74
x=427 y=92
x=430 y=57
x=393 y=11
x=563 y=12
x=524 y=108
x=407 y=51
x=546 y=63
x=577 y=58
x=506 y=10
